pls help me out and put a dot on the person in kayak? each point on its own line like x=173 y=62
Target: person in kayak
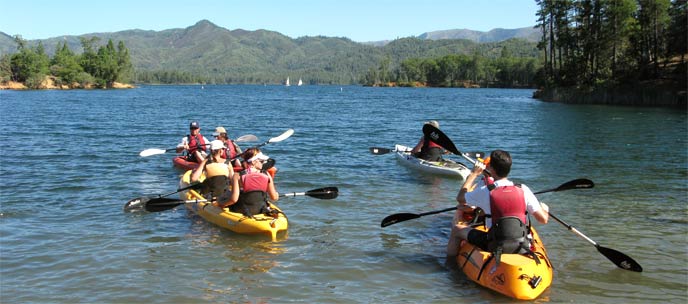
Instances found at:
x=427 y=149
x=217 y=173
x=232 y=149
x=505 y=204
x=194 y=144
x=252 y=188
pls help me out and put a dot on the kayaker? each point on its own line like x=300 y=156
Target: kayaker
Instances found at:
x=232 y=149
x=428 y=149
x=251 y=189
x=506 y=204
x=217 y=173
x=194 y=144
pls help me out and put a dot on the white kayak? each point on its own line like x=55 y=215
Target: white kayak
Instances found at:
x=444 y=167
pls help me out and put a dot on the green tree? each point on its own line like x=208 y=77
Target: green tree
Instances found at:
x=65 y=65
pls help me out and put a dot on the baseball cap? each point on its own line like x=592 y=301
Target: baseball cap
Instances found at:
x=194 y=125
x=219 y=130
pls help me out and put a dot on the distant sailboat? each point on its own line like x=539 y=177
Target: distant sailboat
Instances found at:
x=300 y=82
x=286 y=83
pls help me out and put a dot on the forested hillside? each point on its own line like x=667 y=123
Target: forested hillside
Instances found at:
x=207 y=53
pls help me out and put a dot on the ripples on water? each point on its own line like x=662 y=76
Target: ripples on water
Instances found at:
x=72 y=162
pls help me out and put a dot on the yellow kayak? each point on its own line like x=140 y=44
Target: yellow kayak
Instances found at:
x=517 y=275
x=237 y=222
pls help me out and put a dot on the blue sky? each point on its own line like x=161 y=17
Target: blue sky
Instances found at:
x=365 y=20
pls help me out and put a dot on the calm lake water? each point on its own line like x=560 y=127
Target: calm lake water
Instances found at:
x=72 y=162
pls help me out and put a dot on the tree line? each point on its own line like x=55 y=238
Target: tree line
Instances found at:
x=99 y=67
x=604 y=43
x=457 y=70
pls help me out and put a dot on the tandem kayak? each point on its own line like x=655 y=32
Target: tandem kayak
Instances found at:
x=260 y=224
x=518 y=276
x=445 y=167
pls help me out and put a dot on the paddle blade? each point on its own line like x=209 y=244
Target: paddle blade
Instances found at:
x=245 y=138
x=379 y=151
x=398 y=217
x=282 y=137
x=620 y=259
x=581 y=183
x=161 y=204
x=440 y=138
x=136 y=204
x=268 y=164
x=324 y=193
x=149 y=152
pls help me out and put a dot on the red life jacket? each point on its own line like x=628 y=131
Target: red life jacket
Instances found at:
x=507 y=201
x=196 y=143
x=229 y=152
x=254 y=181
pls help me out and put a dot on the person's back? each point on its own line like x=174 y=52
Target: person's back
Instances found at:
x=506 y=204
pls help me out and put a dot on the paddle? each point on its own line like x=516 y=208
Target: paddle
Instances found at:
x=381 y=151
x=619 y=259
x=162 y=203
x=154 y=151
x=580 y=183
x=140 y=202
x=322 y=193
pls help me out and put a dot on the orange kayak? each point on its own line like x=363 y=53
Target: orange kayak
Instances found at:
x=518 y=276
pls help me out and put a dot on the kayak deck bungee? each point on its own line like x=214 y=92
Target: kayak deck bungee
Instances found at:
x=518 y=276
x=445 y=167
x=260 y=224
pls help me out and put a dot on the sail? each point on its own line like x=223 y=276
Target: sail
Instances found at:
x=300 y=82
x=286 y=83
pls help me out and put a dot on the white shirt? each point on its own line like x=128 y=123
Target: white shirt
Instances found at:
x=481 y=198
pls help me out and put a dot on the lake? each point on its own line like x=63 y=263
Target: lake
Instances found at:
x=73 y=162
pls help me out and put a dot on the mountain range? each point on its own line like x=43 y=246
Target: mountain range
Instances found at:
x=240 y=56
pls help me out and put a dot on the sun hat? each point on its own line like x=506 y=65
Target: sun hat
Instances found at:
x=433 y=123
x=259 y=156
x=217 y=145
x=194 y=125
x=219 y=130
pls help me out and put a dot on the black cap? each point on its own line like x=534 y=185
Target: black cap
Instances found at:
x=194 y=125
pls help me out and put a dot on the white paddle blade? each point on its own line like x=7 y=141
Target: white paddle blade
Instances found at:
x=245 y=138
x=282 y=137
x=149 y=152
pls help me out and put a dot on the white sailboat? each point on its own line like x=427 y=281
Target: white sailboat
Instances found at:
x=300 y=82
x=286 y=83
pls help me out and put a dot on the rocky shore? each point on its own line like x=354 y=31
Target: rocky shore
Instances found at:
x=644 y=96
x=49 y=83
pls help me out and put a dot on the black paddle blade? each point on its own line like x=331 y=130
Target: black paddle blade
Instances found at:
x=136 y=204
x=379 y=151
x=267 y=165
x=620 y=259
x=440 y=138
x=581 y=183
x=161 y=204
x=324 y=193
x=398 y=217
